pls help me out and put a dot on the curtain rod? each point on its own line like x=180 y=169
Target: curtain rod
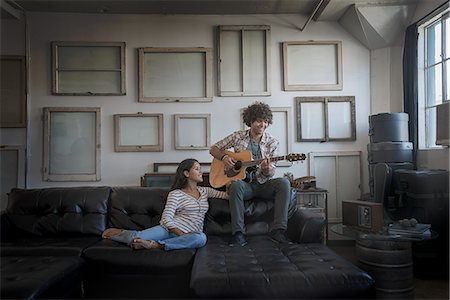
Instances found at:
x=434 y=12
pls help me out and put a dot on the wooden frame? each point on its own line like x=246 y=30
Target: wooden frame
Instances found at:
x=13 y=91
x=71 y=144
x=172 y=74
x=322 y=119
x=83 y=68
x=282 y=132
x=138 y=133
x=189 y=135
x=12 y=171
x=312 y=65
x=336 y=174
x=243 y=60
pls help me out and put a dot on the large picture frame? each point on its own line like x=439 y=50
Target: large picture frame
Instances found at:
x=138 y=133
x=312 y=65
x=175 y=74
x=72 y=145
x=13 y=92
x=322 y=119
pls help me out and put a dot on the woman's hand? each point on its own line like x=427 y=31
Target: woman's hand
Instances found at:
x=176 y=231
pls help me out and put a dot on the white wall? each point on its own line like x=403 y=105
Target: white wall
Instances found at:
x=181 y=31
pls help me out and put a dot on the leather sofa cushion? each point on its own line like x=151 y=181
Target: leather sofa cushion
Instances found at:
x=59 y=211
x=45 y=246
x=113 y=257
x=264 y=269
x=136 y=208
x=40 y=277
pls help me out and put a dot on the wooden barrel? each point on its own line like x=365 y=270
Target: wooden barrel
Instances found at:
x=390 y=264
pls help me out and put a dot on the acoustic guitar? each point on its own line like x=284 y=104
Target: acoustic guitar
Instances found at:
x=219 y=175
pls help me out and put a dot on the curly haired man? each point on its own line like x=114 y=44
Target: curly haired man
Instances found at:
x=259 y=181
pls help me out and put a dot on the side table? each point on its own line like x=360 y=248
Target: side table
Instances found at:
x=387 y=258
x=315 y=199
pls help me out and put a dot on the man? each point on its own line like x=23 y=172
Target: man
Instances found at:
x=258 y=181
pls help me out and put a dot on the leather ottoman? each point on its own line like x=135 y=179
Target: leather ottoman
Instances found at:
x=264 y=269
x=32 y=277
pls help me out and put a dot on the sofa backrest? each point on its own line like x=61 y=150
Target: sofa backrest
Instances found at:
x=258 y=216
x=59 y=211
x=136 y=208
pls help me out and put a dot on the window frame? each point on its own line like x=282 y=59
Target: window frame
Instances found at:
x=427 y=112
x=56 y=69
x=220 y=52
x=46 y=174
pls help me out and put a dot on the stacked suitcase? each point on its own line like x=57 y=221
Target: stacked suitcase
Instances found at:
x=389 y=144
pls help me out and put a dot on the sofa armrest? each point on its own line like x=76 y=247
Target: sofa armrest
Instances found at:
x=6 y=228
x=306 y=226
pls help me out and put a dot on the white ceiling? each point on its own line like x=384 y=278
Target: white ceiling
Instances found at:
x=331 y=10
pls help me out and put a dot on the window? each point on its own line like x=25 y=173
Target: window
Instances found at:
x=88 y=68
x=71 y=144
x=175 y=74
x=434 y=81
x=244 y=60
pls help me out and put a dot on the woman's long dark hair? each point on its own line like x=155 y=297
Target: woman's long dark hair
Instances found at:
x=180 y=179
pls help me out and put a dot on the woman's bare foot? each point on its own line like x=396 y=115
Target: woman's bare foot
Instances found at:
x=110 y=232
x=138 y=244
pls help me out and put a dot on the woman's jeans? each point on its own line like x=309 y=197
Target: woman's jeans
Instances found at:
x=169 y=240
x=277 y=189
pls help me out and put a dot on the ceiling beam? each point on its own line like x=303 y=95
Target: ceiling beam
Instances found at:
x=15 y=13
x=320 y=9
x=314 y=12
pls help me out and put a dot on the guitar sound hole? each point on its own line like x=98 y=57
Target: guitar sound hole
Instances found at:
x=238 y=165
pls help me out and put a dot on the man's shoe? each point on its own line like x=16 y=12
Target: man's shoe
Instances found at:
x=238 y=239
x=279 y=236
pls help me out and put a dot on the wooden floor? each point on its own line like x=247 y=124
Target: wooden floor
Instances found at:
x=424 y=288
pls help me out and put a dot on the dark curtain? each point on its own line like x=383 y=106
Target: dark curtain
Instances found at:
x=410 y=85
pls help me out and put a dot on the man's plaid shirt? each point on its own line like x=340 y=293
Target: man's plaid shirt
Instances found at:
x=239 y=141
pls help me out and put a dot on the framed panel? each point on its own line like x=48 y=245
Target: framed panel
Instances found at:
x=340 y=173
x=192 y=131
x=321 y=119
x=312 y=65
x=175 y=74
x=138 y=133
x=88 y=68
x=13 y=93
x=12 y=171
x=71 y=144
x=244 y=60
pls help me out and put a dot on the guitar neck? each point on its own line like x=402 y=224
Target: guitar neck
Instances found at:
x=258 y=161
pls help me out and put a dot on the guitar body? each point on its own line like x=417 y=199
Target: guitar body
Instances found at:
x=220 y=176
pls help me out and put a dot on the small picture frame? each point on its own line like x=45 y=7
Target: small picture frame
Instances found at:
x=192 y=131
x=138 y=132
x=312 y=65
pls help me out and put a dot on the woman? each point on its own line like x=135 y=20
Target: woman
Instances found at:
x=181 y=224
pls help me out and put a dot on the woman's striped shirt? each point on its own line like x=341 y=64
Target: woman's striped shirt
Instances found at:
x=186 y=213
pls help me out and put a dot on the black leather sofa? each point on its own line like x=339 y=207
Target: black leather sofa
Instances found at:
x=51 y=247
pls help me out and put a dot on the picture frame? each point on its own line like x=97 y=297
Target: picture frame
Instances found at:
x=138 y=132
x=71 y=146
x=192 y=131
x=243 y=60
x=175 y=74
x=312 y=65
x=323 y=119
x=13 y=92
x=88 y=68
x=12 y=170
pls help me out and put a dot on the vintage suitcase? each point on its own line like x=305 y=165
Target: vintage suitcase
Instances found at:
x=389 y=152
x=388 y=127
